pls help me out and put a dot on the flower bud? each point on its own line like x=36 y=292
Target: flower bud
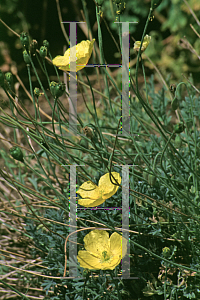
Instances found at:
x=24 y=38
x=17 y=153
x=43 y=52
x=89 y=132
x=178 y=128
x=175 y=103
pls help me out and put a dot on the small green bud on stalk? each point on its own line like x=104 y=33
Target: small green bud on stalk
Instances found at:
x=43 y=52
x=9 y=78
x=36 y=92
x=57 y=89
x=175 y=103
x=46 y=44
x=17 y=153
x=26 y=57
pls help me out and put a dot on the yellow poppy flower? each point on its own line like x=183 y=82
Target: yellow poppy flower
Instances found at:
x=82 y=56
x=145 y=43
x=102 y=252
x=94 y=195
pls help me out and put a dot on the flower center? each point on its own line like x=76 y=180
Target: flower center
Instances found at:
x=105 y=256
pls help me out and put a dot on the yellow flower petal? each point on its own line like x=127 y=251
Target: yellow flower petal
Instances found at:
x=88 y=261
x=116 y=246
x=89 y=190
x=110 y=265
x=108 y=188
x=81 y=56
x=97 y=241
x=91 y=202
x=96 y=195
x=102 y=252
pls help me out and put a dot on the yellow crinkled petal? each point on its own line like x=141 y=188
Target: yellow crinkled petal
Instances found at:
x=81 y=56
x=88 y=261
x=116 y=246
x=97 y=241
x=109 y=189
x=91 y=202
x=89 y=190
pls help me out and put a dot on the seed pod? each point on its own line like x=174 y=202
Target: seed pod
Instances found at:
x=17 y=153
x=43 y=52
x=26 y=57
x=175 y=103
x=60 y=89
x=24 y=38
x=57 y=89
x=9 y=81
x=178 y=141
x=46 y=44
x=178 y=128
x=36 y=92
x=9 y=78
